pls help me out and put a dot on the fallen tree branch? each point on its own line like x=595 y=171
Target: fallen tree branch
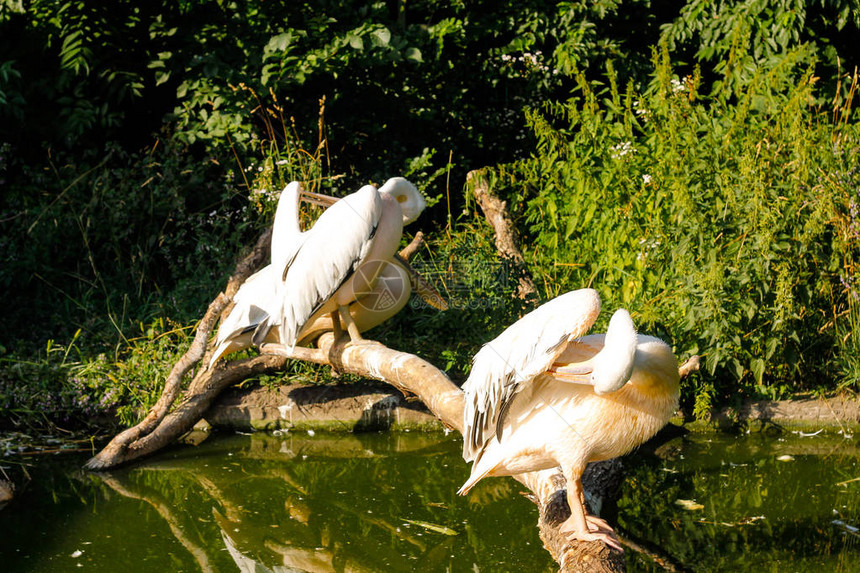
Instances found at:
x=127 y=440
x=408 y=373
x=203 y=389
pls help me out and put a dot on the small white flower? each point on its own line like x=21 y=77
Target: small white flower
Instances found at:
x=678 y=86
x=622 y=149
x=646 y=179
x=282 y=161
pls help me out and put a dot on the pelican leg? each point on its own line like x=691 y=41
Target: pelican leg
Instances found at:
x=351 y=328
x=335 y=324
x=577 y=525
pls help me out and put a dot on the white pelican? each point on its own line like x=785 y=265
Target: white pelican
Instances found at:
x=539 y=397
x=343 y=254
x=256 y=316
x=394 y=286
x=256 y=305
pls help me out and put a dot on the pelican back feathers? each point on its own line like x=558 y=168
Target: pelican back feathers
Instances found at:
x=333 y=248
x=508 y=363
x=255 y=305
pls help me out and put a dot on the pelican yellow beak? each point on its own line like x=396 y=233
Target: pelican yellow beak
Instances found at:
x=576 y=372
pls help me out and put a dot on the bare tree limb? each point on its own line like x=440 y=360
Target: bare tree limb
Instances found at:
x=496 y=212
x=692 y=364
x=126 y=439
x=409 y=250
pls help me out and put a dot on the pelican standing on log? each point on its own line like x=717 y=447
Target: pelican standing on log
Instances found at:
x=303 y=274
x=257 y=303
x=394 y=286
x=541 y=395
x=341 y=257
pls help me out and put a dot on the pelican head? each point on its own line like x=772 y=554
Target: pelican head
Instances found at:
x=613 y=365
x=611 y=368
x=411 y=201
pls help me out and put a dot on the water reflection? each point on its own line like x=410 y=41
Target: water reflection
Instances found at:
x=259 y=503
x=721 y=503
x=387 y=502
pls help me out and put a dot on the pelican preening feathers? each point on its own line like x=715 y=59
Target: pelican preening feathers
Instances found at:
x=328 y=274
x=541 y=395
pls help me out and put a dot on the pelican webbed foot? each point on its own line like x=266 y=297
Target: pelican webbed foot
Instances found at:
x=597 y=524
x=598 y=530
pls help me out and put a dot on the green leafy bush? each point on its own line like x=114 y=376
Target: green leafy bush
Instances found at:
x=142 y=148
x=65 y=386
x=724 y=221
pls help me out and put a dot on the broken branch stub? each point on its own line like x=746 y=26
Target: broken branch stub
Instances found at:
x=496 y=212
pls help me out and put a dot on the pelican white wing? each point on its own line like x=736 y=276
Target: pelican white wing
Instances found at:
x=506 y=364
x=256 y=305
x=335 y=246
x=287 y=236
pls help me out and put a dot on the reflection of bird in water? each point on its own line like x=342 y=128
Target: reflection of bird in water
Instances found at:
x=539 y=396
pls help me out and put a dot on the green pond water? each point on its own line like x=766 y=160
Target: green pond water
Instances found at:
x=387 y=502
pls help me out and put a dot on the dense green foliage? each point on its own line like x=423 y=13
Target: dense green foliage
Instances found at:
x=141 y=146
x=726 y=220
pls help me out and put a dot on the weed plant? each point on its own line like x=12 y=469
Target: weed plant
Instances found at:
x=65 y=386
x=725 y=220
